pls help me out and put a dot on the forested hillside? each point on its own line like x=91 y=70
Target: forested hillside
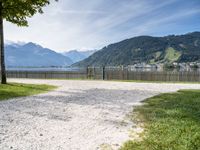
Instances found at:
x=168 y=49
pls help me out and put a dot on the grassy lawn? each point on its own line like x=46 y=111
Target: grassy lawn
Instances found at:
x=13 y=90
x=172 y=55
x=171 y=122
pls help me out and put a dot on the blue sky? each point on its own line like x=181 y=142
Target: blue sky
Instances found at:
x=93 y=24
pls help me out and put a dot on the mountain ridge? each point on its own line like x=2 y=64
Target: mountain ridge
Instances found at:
x=148 y=49
x=33 y=55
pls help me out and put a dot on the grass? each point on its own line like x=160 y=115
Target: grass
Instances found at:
x=171 y=122
x=172 y=55
x=156 y=55
x=13 y=90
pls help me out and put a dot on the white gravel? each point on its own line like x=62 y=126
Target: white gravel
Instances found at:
x=79 y=115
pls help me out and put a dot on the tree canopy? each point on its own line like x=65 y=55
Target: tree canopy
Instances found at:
x=17 y=11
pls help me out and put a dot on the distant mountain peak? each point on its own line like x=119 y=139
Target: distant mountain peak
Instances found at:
x=33 y=55
x=76 y=55
x=31 y=44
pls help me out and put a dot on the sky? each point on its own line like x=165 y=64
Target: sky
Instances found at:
x=92 y=24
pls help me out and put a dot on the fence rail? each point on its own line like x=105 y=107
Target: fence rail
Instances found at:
x=47 y=74
x=110 y=73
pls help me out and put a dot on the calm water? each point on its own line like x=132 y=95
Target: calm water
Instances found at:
x=44 y=69
x=83 y=69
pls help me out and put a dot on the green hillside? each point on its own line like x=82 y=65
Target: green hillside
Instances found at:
x=168 y=49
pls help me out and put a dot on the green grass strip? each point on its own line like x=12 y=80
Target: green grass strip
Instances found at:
x=171 y=122
x=13 y=90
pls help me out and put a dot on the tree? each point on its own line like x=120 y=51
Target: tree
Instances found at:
x=17 y=12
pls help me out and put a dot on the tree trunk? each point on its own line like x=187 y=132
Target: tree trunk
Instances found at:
x=2 y=59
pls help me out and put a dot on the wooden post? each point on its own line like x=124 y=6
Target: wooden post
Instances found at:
x=94 y=74
x=103 y=72
x=87 y=72
x=122 y=69
x=26 y=74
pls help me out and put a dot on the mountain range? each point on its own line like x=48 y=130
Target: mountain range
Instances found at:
x=77 y=56
x=141 y=49
x=148 y=49
x=33 y=55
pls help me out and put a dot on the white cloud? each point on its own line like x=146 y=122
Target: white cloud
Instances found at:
x=82 y=24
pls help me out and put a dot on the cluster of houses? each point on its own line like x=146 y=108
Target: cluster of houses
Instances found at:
x=187 y=65
x=161 y=66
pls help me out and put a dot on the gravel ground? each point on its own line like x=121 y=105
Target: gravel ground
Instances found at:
x=79 y=115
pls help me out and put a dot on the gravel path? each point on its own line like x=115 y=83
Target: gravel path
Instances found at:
x=79 y=115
